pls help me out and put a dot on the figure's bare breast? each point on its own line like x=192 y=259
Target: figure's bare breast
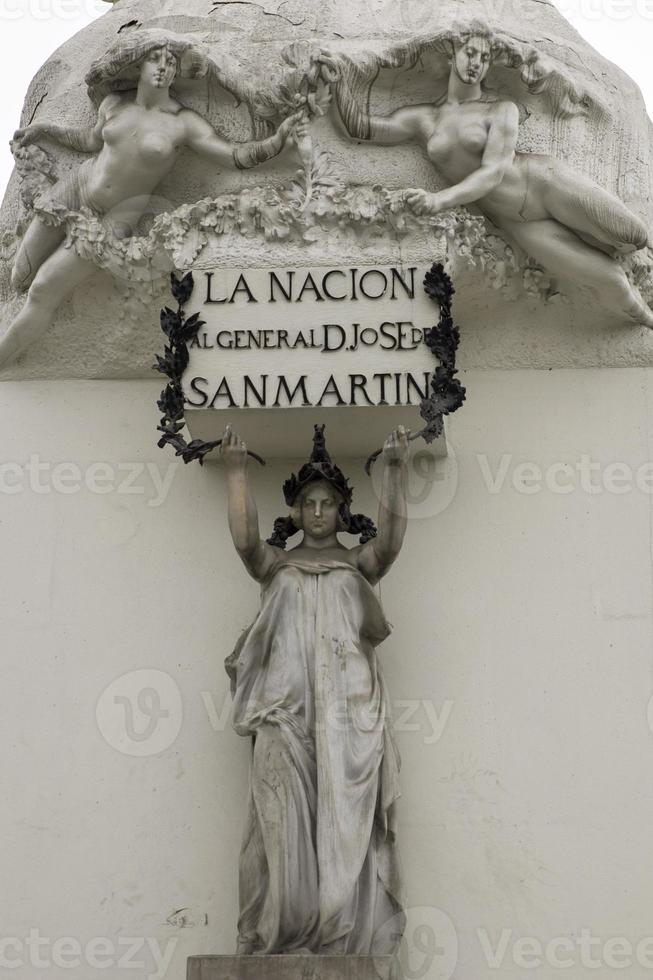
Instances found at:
x=457 y=137
x=456 y=141
x=140 y=147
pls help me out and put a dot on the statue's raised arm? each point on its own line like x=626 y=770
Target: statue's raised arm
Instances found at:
x=257 y=556
x=376 y=556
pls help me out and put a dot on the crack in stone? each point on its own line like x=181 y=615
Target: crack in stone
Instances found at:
x=35 y=109
x=250 y=3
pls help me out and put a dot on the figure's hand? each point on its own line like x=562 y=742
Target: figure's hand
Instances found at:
x=424 y=203
x=329 y=69
x=396 y=446
x=300 y=132
x=291 y=123
x=30 y=134
x=233 y=450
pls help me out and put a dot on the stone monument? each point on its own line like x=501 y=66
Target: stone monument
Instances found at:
x=364 y=135
x=308 y=163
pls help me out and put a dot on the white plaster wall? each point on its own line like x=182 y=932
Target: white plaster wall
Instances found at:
x=529 y=613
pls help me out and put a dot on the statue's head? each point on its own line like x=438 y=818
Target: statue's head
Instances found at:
x=159 y=67
x=157 y=55
x=319 y=511
x=319 y=498
x=472 y=53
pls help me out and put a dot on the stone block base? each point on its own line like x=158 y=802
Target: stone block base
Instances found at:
x=290 y=967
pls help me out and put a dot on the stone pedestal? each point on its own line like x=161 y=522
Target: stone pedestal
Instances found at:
x=290 y=968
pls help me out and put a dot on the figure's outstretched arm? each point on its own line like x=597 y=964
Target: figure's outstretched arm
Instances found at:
x=376 y=557
x=82 y=140
x=498 y=156
x=203 y=139
x=257 y=556
x=399 y=127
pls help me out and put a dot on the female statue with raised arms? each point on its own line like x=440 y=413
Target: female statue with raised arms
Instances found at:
x=319 y=870
x=562 y=219
x=140 y=131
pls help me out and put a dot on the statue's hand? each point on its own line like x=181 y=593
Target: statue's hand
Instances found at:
x=396 y=446
x=233 y=450
x=300 y=131
x=422 y=202
x=292 y=124
x=329 y=70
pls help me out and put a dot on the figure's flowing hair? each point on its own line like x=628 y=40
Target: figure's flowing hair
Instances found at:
x=537 y=72
x=118 y=69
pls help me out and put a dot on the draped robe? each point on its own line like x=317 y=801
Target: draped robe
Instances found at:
x=319 y=868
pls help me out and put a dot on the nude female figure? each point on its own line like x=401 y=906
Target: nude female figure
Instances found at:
x=319 y=869
x=563 y=220
x=140 y=132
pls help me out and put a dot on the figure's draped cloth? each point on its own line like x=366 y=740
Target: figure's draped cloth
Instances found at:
x=319 y=869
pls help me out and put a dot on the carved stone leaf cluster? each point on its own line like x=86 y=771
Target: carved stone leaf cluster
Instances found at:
x=307 y=209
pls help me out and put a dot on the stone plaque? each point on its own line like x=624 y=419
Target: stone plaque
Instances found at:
x=343 y=345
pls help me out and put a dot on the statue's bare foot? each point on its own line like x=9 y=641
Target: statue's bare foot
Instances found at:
x=642 y=315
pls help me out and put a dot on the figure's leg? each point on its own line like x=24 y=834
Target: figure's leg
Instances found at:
x=568 y=257
x=283 y=783
x=596 y=214
x=39 y=242
x=54 y=282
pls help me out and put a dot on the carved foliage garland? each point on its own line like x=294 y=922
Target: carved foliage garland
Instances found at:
x=319 y=201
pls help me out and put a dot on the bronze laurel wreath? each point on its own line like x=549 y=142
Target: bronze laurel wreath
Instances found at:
x=447 y=392
x=180 y=331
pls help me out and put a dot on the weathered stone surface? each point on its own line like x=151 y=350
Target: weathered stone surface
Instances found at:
x=505 y=328
x=290 y=968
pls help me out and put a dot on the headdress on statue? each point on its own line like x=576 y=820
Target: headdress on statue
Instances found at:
x=320 y=467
